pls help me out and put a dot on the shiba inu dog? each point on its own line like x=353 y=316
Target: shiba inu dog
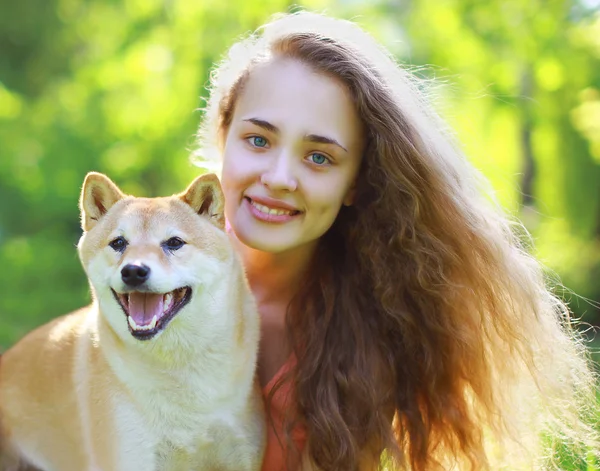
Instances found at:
x=158 y=373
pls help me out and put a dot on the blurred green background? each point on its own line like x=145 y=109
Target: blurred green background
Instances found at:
x=117 y=87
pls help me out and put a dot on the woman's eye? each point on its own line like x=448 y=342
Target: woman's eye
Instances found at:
x=258 y=141
x=318 y=159
x=118 y=244
x=174 y=243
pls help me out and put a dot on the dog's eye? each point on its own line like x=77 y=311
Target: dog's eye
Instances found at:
x=118 y=244
x=174 y=243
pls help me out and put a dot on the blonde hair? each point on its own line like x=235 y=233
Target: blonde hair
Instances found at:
x=425 y=330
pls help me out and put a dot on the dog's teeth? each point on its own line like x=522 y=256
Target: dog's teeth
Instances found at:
x=150 y=326
x=168 y=302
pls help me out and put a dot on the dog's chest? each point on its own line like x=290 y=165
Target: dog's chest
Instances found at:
x=172 y=458
x=193 y=441
x=175 y=415
x=178 y=429
x=187 y=418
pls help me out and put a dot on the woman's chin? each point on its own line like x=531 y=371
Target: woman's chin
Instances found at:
x=265 y=243
x=268 y=241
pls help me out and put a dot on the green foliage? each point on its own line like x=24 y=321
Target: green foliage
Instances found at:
x=566 y=458
x=117 y=87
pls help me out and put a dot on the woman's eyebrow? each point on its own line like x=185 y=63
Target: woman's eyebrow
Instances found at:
x=263 y=124
x=323 y=140
x=309 y=137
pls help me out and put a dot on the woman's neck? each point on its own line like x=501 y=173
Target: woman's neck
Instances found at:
x=274 y=277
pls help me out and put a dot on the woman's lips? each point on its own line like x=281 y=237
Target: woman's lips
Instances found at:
x=278 y=213
x=272 y=203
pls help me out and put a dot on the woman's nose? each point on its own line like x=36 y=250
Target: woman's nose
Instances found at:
x=280 y=174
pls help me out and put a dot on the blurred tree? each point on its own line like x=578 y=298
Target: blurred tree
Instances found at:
x=114 y=86
x=106 y=86
x=526 y=89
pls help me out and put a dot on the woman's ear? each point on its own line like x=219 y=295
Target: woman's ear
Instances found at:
x=350 y=195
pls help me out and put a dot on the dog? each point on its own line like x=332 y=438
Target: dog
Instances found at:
x=158 y=373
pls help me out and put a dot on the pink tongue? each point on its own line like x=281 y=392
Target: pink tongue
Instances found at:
x=143 y=307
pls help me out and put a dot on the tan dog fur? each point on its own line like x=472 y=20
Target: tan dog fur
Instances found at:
x=82 y=393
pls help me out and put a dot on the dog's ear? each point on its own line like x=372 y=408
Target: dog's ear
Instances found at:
x=98 y=194
x=205 y=196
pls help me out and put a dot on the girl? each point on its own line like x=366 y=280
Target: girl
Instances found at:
x=403 y=324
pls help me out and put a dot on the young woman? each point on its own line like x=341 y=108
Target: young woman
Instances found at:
x=403 y=324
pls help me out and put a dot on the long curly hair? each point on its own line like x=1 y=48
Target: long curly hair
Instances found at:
x=426 y=336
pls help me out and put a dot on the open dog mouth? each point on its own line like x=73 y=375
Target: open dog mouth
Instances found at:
x=149 y=313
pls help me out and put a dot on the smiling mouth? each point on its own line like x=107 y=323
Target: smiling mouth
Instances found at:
x=149 y=313
x=272 y=211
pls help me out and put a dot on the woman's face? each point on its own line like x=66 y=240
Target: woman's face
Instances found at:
x=291 y=156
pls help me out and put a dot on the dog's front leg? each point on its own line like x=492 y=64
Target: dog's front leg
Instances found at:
x=129 y=455
x=122 y=440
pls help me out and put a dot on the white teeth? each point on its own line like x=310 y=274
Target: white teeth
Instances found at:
x=265 y=209
x=150 y=326
x=168 y=302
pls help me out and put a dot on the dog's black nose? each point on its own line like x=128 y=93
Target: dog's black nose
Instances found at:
x=134 y=275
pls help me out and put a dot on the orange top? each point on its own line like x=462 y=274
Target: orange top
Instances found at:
x=276 y=450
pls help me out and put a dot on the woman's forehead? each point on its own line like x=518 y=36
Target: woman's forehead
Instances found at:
x=293 y=97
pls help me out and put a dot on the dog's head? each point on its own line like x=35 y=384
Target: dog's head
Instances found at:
x=148 y=258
